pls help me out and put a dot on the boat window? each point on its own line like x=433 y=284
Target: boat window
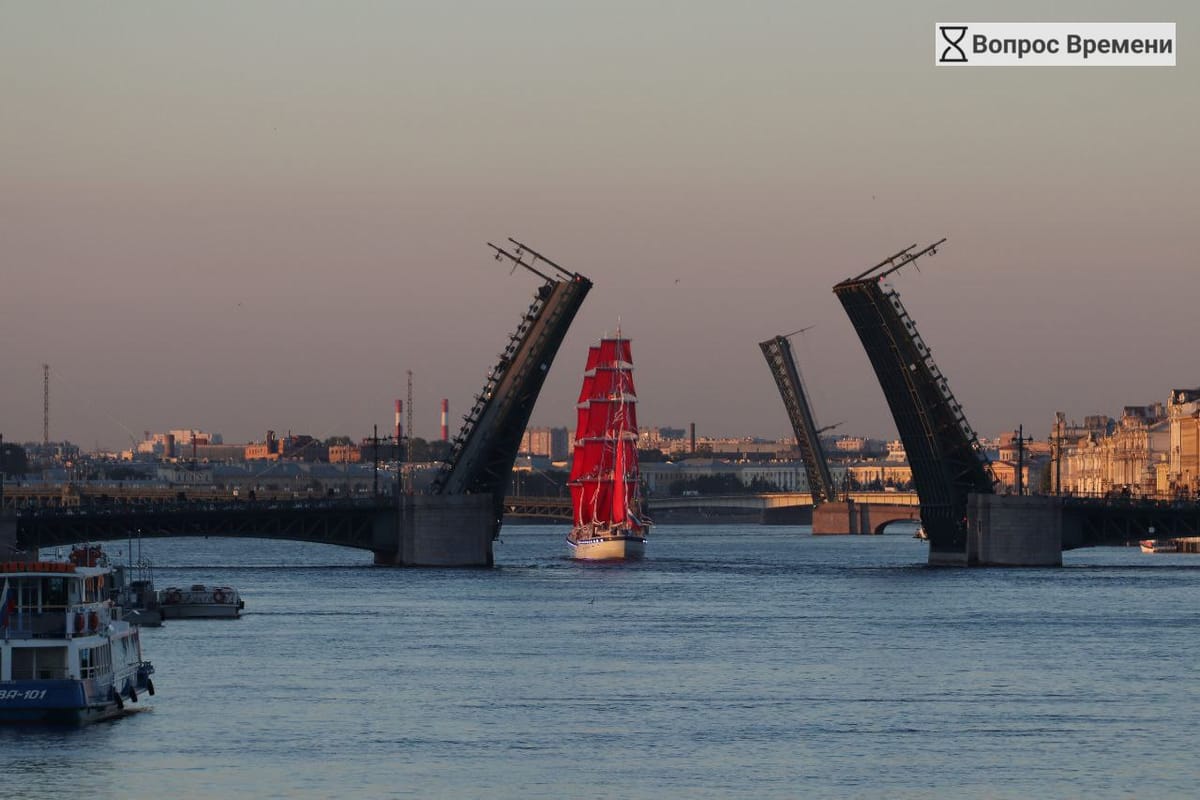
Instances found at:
x=94 y=661
x=27 y=595
x=54 y=593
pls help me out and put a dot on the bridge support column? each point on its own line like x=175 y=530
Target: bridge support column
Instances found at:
x=788 y=515
x=837 y=518
x=1013 y=531
x=866 y=519
x=437 y=531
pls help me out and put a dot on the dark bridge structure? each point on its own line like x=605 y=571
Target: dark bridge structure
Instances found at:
x=830 y=513
x=482 y=454
x=966 y=522
x=348 y=523
x=782 y=363
x=453 y=525
x=947 y=462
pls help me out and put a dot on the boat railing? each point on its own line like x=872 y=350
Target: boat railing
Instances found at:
x=36 y=625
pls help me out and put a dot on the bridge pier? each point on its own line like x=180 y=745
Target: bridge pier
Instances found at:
x=788 y=515
x=437 y=531
x=1005 y=531
x=848 y=517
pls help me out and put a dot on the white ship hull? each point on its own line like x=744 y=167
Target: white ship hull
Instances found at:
x=199 y=611
x=608 y=549
x=200 y=602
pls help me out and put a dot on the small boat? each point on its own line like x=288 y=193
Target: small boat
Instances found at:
x=1159 y=546
x=133 y=592
x=921 y=534
x=605 y=488
x=201 y=602
x=67 y=656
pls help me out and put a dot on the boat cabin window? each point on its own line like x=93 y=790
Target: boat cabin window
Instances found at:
x=95 y=661
x=33 y=595
x=54 y=592
x=39 y=663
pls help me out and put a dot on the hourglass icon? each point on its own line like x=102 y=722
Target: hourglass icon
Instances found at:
x=953 y=35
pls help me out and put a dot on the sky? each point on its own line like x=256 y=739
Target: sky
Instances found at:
x=247 y=216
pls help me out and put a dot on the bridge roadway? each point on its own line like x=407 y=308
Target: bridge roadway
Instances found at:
x=365 y=523
x=370 y=524
x=102 y=494
x=349 y=523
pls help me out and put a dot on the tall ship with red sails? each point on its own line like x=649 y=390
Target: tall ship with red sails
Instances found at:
x=605 y=486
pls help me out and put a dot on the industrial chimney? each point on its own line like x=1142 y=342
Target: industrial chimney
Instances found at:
x=445 y=413
x=399 y=426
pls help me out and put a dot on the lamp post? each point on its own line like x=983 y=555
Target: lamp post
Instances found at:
x=375 y=460
x=1021 y=459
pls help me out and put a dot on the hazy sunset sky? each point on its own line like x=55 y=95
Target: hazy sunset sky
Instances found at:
x=239 y=216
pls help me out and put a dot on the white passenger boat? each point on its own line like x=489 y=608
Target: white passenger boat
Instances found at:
x=201 y=602
x=66 y=654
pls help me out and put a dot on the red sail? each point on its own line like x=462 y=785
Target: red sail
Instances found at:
x=593 y=359
x=604 y=469
x=623 y=419
x=619 y=500
x=588 y=390
x=614 y=352
x=591 y=457
x=599 y=421
x=577 y=504
x=609 y=382
x=576 y=462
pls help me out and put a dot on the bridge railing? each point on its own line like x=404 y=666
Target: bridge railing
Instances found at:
x=125 y=509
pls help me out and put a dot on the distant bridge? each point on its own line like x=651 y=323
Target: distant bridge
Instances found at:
x=369 y=523
x=1090 y=522
x=767 y=504
x=364 y=524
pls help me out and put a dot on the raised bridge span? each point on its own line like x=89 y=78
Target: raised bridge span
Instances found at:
x=966 y=522
x=454 y=525
x=831 y=512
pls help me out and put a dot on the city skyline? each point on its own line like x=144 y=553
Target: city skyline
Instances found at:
x=278 y=233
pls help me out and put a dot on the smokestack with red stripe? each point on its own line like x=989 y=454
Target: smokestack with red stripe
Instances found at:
x=399 y=427
x=445 y=413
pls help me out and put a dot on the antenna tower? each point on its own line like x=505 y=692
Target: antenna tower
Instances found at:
x=45 y=404
x=408 y=450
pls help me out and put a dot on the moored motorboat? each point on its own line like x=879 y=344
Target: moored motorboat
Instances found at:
x=67 y=656
x=201 y=602
x=133 y=591
x=1159 y=546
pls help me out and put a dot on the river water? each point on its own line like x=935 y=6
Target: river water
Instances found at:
x=734 y=662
